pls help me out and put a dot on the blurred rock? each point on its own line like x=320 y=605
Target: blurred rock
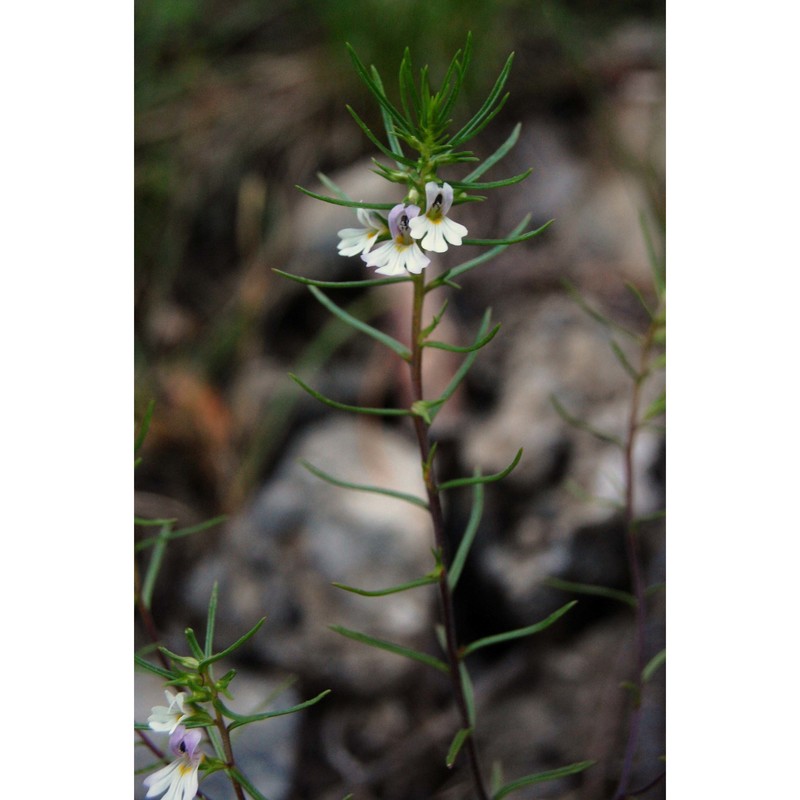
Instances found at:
x=302 y=533
x=558 y=351
x=565 y=705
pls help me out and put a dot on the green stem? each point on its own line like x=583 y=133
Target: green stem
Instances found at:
x=225 y=735
x=437 y=519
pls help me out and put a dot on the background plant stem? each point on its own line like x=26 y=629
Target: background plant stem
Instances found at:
x=635 y=568
x=435 y=506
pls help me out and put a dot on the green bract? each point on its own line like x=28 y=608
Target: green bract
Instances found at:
x=419 y=138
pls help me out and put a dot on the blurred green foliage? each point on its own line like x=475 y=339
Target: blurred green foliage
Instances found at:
x=231 y=94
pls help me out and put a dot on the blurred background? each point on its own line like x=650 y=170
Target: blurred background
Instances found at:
x=236 y=103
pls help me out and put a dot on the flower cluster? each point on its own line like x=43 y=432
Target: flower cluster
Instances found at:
x=179 y=779
x=410 y=234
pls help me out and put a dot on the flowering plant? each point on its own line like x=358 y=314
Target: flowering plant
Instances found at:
x=419 y=144
x=199 y=710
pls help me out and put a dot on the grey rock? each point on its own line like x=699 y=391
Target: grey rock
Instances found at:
x=301 y=534
x=560 y=352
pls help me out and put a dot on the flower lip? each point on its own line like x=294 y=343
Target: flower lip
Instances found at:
x=434 y=229
x=399 y=255
x=439 y=199
x=355 y=241
x=399 y=222
x=179 y=778
x=184 y=742
x=167 y=718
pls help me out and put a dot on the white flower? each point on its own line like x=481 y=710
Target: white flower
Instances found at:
x=179 y=778
x=167 y=718
x=355 y=241
x=434 y=229
x=401 y=254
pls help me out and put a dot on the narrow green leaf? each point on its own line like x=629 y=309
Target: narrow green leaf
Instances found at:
x=409 y=498
x=211 y=619
x=519 y=632
x=653 y=664
x=487 y=119
x=656 y=408
x=144 y=427
x=496 y=156
x=656 y=263
x=482 y=478
x=437 y=318
x=342 y=284
x=154 y=668
x=190 y=662
x=461 y=372
x=216 y=742
x=426 y=581
x=390 y=647
x=425 y=94
x=456 y=745
x=542 y=777
x=485 y=109
x=246 y=719
x=379 y=336
x=334 y=187
x=394 y=143
x=638 y=295
x=511 y=240
x=475 y=262
x=409 y=97
x=592 y=589
x=338 y=201
x=469 y=692
x=454 y=573
x=584 y=426
x=154 y=565
x=469 y=348
x=237 y=774
x=626 y=364
x=235 y=646
x=597 y=315
x=496 y=779
x=462 y=63
x=444 y=97
x=399 y=158
x=385 y=412
x=388 y=173
x=154 y=523
x=194 y=645
x=469 y=185
x=396 y=116
x=180 y=534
